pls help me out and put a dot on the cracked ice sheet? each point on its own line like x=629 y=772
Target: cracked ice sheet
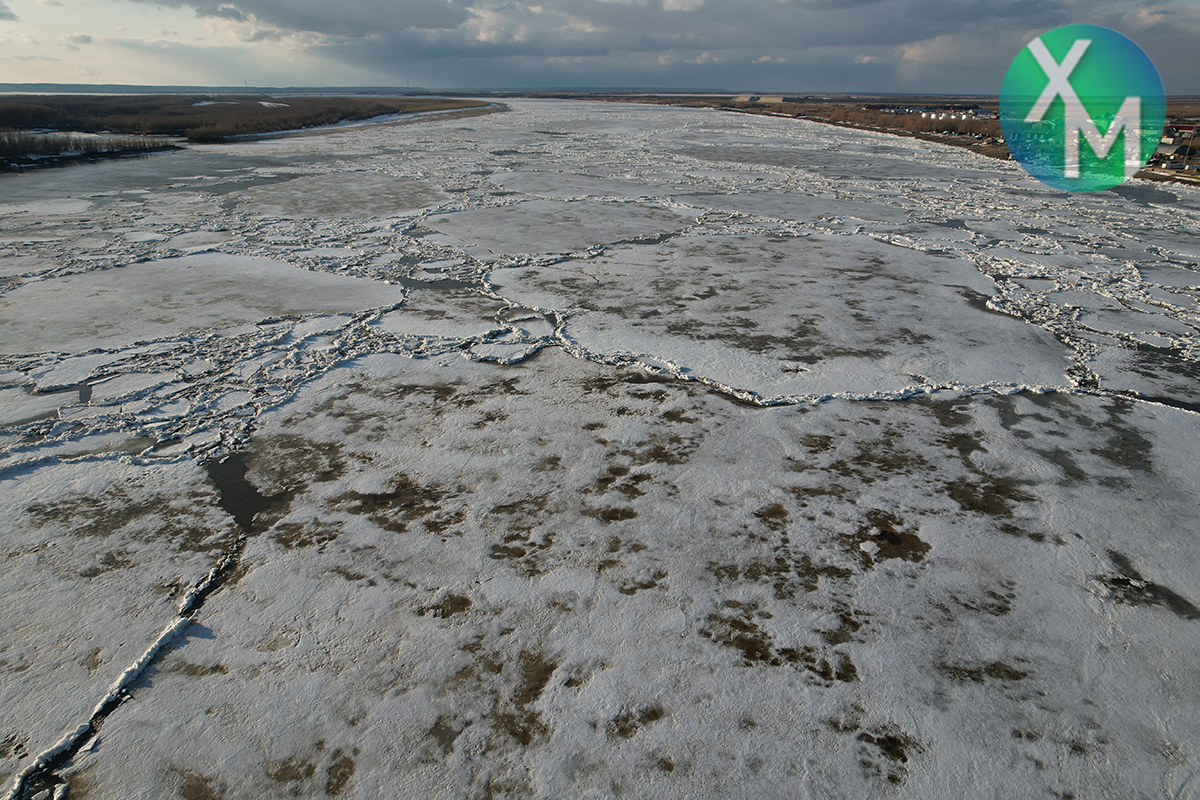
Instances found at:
x=1156 y=372
x=452 y=314
x=14 y=266
x=993 y=216
x=569 y=185
x=547 y=226
x=797 y=206
x=19 y=405
x=812 y=316
x=568 y=581
x=96 y=556
x=341 y=195
x=153 y=300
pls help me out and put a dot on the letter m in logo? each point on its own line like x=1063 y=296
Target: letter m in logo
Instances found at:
x=1076 y=120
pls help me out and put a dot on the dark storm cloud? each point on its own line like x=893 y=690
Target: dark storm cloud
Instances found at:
x=912 y=45
x=735 y=33
x=588 y=27
x=556 y=25
x=223 y=12
x=353 y=18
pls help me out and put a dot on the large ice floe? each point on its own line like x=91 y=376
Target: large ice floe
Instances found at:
x=597 y=450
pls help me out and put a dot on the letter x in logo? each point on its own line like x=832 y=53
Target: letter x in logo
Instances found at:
x=1059 y=75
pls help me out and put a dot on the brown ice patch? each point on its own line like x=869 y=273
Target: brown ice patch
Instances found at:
x=885 y=537
x=989 y=494
x=286 y=461
x=404 y=503
x=1129 y=587
x=516 y=718
x=982 y=672
x=193 y=787
x=138 y=512
x=311 y=533
x=739 y=628
x=884 y=752
x=631 y=721
x=339 y=773
x=449 y=605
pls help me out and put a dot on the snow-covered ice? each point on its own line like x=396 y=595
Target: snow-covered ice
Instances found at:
x=596 y=450
x=161 y=298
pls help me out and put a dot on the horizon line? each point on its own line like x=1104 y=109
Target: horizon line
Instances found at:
x=618 y=90
x=135 y=88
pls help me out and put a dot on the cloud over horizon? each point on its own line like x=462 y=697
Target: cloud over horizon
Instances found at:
x=763 y=45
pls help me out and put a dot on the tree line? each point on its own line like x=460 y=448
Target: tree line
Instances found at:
x=199 y=117
x=18 y=147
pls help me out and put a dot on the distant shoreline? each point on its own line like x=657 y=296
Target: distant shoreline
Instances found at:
x=1000 y=152
x=22 y=164
x=997 y=151
x=19 y=162
x=204 y=118
x=403 y=119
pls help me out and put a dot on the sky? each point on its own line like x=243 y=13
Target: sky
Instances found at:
x=763 y=46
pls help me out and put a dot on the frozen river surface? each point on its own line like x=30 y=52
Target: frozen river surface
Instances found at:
x=594 y=450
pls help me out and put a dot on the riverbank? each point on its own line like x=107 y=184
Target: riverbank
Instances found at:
x=1001 y=152
x=206 y=118
x=21 y=163
x=32 y=149
x=384 y=122
x=20 y=150
x=985 y=146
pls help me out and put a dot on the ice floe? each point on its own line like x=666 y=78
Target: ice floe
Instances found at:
x=158 y=299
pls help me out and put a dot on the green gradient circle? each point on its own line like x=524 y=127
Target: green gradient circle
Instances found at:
x=1112 y=69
